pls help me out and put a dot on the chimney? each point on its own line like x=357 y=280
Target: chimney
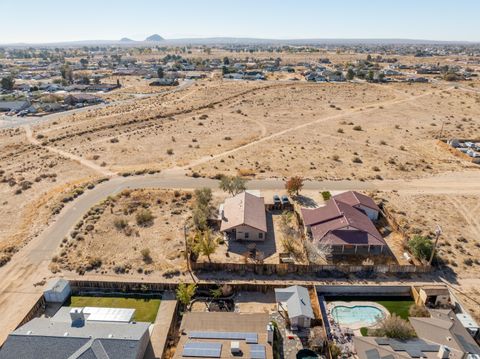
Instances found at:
x=443 y=352
x=77 y=316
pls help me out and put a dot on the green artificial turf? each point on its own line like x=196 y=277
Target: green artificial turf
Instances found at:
x=145 y=309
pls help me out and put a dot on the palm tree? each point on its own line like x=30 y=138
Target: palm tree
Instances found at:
x=205 y=243
x=185 y=292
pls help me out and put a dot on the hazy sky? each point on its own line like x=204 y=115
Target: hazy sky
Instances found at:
x=67 y=20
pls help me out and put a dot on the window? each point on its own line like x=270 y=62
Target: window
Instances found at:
x=247 y=235
x=260 y=235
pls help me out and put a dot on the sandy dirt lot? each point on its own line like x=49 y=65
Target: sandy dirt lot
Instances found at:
x=459 y=244
x=32 y=183
x=111 y=239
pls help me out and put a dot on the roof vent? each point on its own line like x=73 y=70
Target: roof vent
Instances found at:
x=29 y=332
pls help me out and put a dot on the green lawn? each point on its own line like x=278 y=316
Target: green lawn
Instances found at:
x=145 y=309
x=399 y=307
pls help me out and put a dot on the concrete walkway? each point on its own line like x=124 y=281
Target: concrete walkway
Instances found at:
x=162 y=324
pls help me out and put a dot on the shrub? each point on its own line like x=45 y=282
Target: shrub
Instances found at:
x=120 y=223
x=357 y=159
x=416 y=310
x=246 y=172
x=146 y=255
x=170 y=151
x=421 y=247
x=357 y=128
x=340 y=130
x=396 y=328
x=94 y=263
x=326 y=195
x=144 y=217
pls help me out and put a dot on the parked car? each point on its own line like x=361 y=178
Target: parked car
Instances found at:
x=277 y=202
x=285 y=200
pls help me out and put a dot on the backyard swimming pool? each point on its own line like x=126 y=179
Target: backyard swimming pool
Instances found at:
x=357 y=315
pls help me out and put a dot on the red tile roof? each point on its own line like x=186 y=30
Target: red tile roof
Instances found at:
x=355 y=199
x=340 y=223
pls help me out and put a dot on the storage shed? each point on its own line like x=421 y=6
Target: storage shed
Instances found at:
x=57 y=290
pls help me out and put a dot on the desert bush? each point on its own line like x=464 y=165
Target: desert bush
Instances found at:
x=146 y=255
x=120 y=223
x=357 y=128
x=396 y=328
x=326 y=195
x=317 y=253
x=170 y=151
x=357 y=159
x=421 y=247
x=246 y=172
x=144 y=217
x=416 y=310
x=94 y=263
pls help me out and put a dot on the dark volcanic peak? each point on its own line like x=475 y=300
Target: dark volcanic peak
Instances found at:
x=154 y=37
x=126 y=39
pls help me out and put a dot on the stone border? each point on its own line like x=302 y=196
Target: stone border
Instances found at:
x=357 y=325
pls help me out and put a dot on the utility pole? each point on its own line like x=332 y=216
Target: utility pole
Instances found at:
x=441 y=130
x=187 y=253
x=438 y=232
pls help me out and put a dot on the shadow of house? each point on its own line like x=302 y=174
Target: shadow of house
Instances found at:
x=267 y=247
x=306 y=202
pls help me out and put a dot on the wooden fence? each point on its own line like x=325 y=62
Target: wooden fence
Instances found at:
x=35 y=311
x=292 y=268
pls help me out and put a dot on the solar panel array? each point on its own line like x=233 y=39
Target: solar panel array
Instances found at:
x=250 y=338
x=414 y=348
x=257 y=351
x=202 y=350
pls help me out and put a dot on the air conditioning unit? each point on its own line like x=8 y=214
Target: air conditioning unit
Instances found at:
x=235 y=348
x=443 y=352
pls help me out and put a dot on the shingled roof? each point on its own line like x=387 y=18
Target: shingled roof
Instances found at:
x=338 y=223
x=244 y=209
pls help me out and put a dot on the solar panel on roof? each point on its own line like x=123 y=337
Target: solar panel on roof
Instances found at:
x=202 y=350
x=257 y=351
x=372 y=354
x=251 y=338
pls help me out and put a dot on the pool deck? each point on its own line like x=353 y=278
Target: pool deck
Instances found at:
x=356 y=325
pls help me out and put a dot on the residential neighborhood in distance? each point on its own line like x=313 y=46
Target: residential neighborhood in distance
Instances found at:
x=196 y=180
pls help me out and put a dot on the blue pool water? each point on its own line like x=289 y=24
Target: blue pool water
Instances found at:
x=366 y=315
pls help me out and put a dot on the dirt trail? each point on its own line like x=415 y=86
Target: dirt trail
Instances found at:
x=82 y=161
x=363 y=109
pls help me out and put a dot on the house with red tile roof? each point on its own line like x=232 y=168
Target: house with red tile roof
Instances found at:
x=243 y=217
x=343 y=226
x=361 y=202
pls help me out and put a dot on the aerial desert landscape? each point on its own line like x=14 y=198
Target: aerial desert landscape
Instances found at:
x=175 y=197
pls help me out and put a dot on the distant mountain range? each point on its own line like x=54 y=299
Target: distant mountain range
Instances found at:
x=125 y=41
x=154 y=37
